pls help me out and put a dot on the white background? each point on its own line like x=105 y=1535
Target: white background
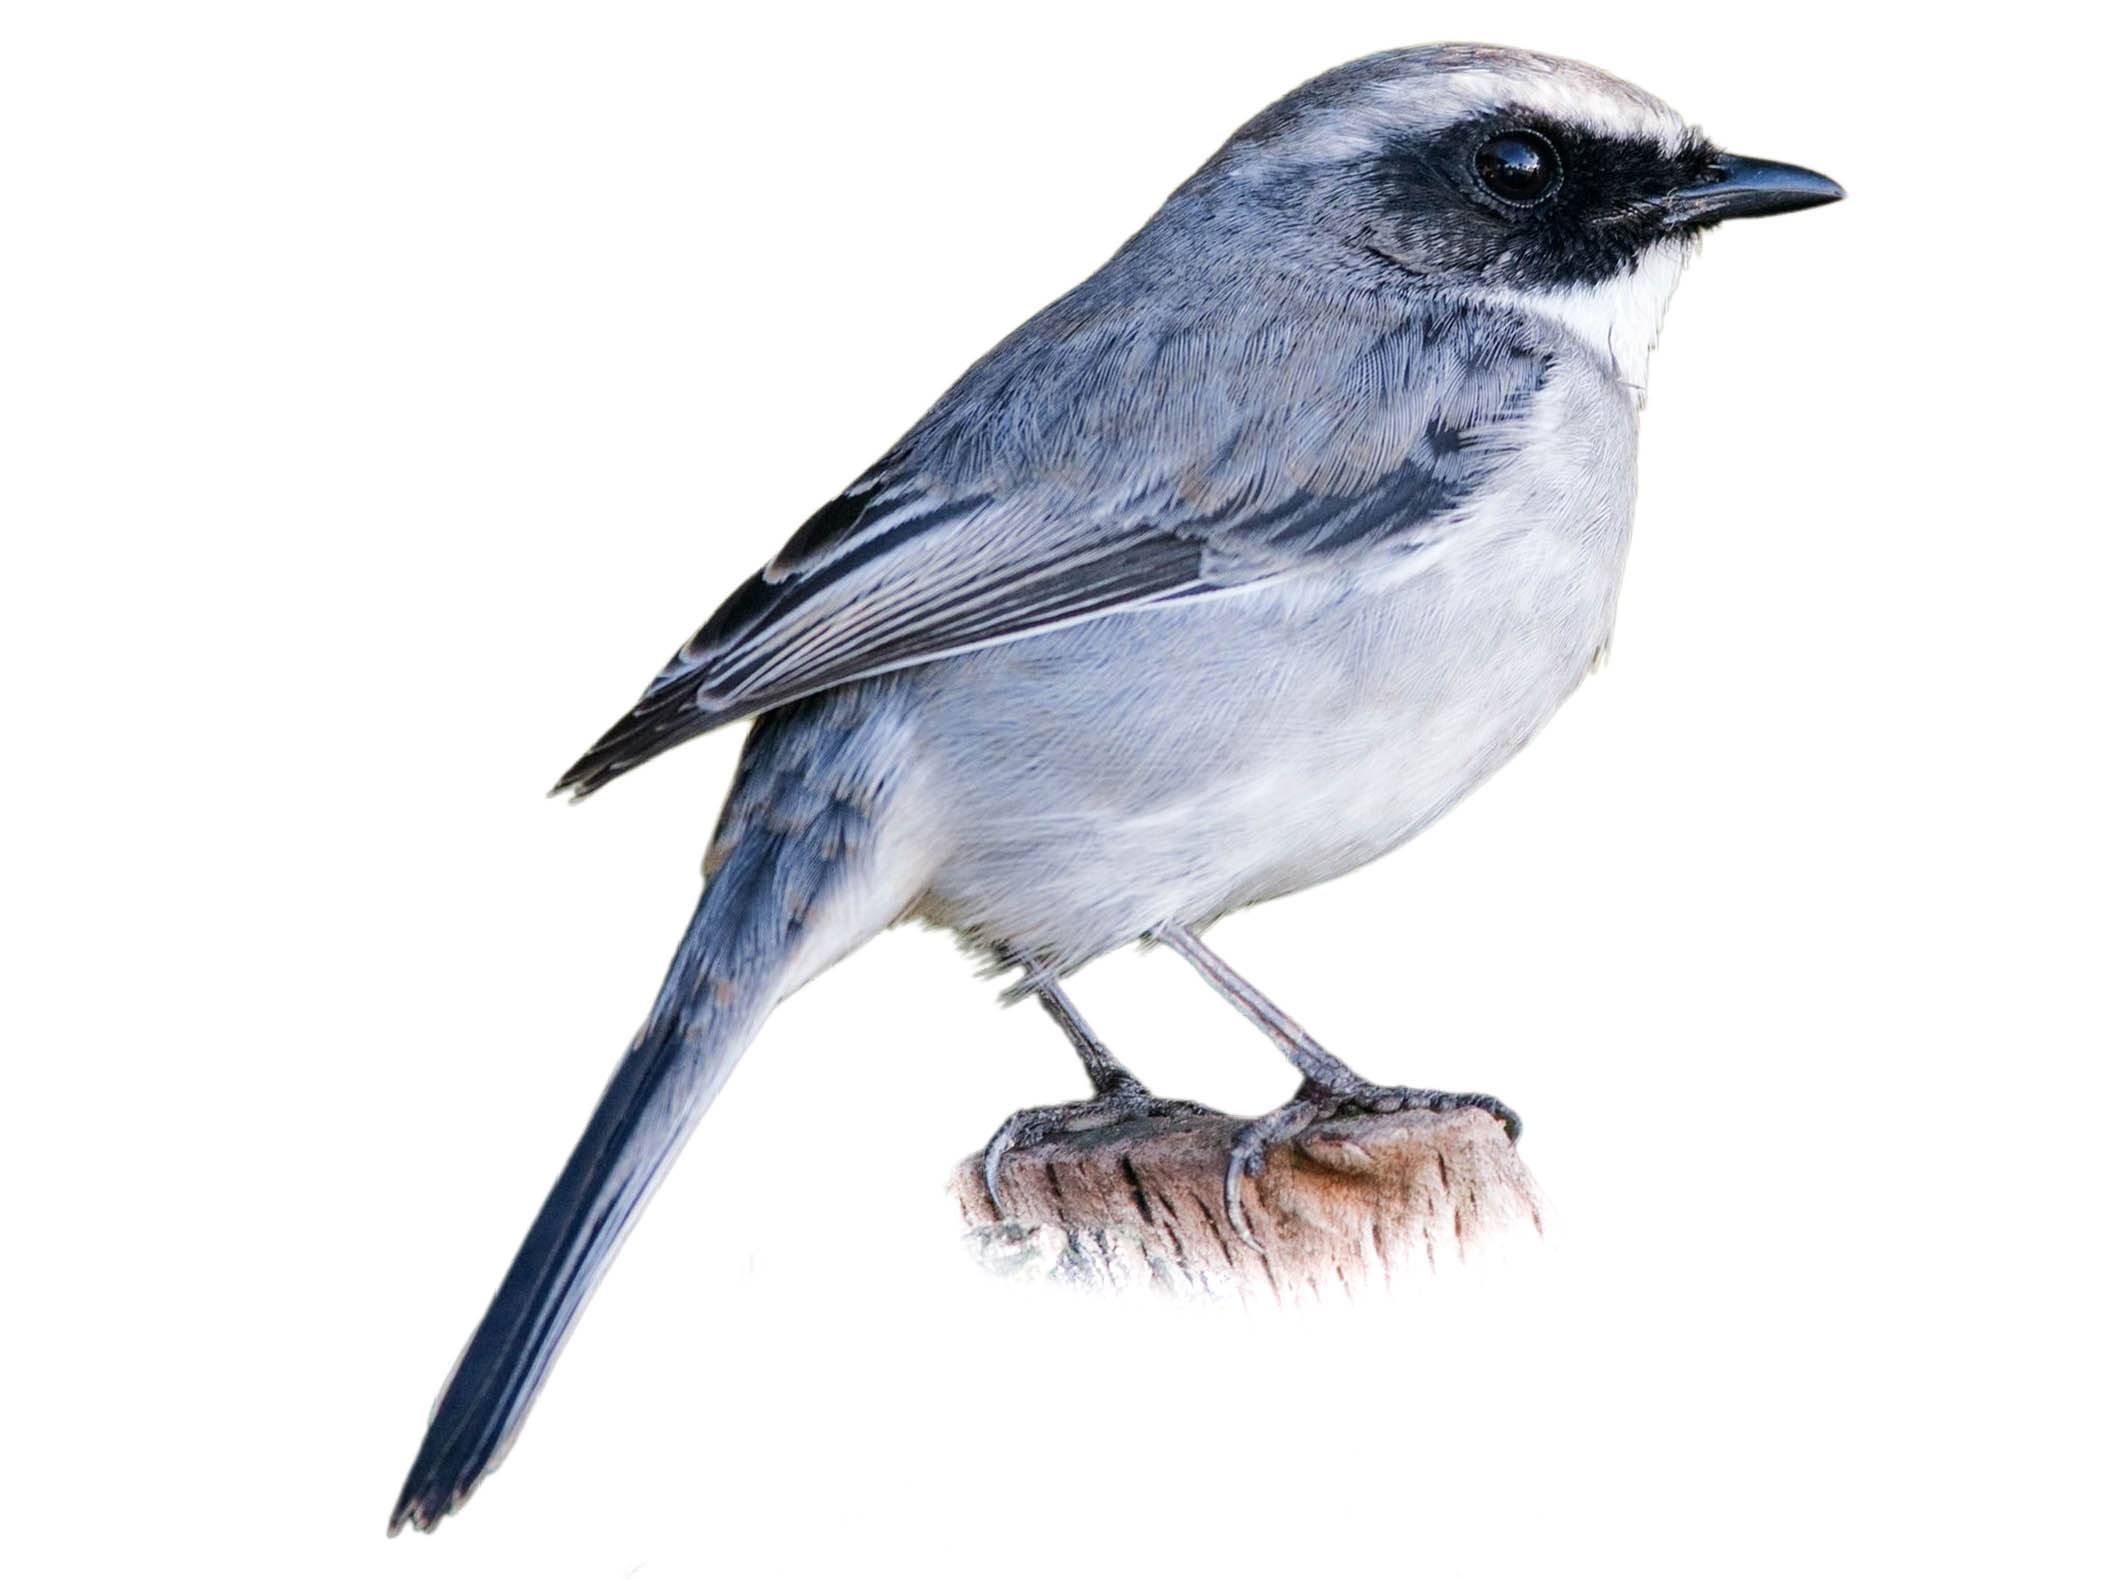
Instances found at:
x=388 y=388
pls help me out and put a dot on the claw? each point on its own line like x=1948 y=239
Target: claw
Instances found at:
x=1314 y=1105
x=1232 y=1195
x=1499 y=1111
x=1247 y=1161
x=1128 y=1100
x=1028 y=1125
x=991 y=1168
x=1393 y=1099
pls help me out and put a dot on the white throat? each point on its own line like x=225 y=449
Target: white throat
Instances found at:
x=1620 y=318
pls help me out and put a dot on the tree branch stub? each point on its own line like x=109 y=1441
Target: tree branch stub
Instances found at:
x=1367 y=1199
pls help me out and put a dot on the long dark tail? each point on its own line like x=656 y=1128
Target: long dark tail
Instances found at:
x=798 y=819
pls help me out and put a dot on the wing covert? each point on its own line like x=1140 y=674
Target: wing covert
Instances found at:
x=1076 y=471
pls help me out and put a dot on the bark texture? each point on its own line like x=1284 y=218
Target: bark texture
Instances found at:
x=1370 y=1198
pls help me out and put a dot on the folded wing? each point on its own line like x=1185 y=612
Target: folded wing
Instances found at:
x=1082 y=468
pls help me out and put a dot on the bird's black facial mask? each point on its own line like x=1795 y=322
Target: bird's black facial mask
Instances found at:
x=1515 y=200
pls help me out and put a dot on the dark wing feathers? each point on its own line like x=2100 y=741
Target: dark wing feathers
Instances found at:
x=1081 y=468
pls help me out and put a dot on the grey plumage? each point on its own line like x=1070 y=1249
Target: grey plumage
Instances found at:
x=1082 y=468
x=1223 y=575
x=791 y=860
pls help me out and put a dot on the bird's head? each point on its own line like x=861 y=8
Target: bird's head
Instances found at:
x=1496 y=173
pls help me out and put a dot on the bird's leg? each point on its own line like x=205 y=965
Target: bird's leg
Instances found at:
x=1329 y=1088
x=1118 y=1095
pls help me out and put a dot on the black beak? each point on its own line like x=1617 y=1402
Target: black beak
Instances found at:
x=1737 y=188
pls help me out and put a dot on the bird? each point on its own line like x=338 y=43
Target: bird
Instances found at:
x=1225 y=574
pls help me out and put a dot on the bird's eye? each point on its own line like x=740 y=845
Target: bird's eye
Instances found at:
x=1519 y=166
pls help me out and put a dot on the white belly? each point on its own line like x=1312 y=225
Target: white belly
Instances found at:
x=1179 y=762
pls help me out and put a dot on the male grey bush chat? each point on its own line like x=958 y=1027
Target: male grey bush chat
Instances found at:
x=1225 y=574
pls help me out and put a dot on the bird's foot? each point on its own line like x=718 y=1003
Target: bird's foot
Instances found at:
x=1316 y=1105
x=1124 y=1101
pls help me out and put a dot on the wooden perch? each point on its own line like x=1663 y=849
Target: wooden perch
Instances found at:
x=1366 y=1199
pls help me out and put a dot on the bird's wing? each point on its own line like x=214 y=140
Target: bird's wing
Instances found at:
x=1082 y=468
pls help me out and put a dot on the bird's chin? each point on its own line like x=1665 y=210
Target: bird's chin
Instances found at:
x=1618 y=318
